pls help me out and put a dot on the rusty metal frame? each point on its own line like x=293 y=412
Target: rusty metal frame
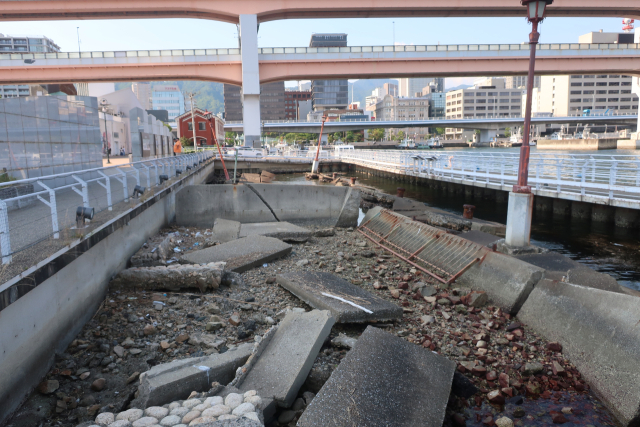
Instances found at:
x=438 y=273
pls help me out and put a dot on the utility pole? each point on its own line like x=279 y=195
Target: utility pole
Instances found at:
x=78 y=32
x=193 y=121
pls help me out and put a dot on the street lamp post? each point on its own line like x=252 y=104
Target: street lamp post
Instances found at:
x=520 y=209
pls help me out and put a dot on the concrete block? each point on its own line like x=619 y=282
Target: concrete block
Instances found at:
x=506 y=280
x=599 y=334
x=278 y=230
x=225 y=230
x=480 y=237
x=626 y=218
x=285 y=363
x=350 y=211
x=175 y=380
x=490 y=227
x=561 y=207
x=383 y=381
x=242 y=254
x=242 y=422
x=602 y=213
x=309 y=286
x=580 y=210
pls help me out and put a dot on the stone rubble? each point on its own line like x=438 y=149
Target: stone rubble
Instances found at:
x=136 y=328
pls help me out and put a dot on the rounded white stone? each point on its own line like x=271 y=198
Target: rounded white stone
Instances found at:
x=174 y=405
x=170 y=421
x=191 y=403
x=243 y=409
x=252 y=416
x=130 y=415
x=156 y=412
x=181 y=411
x=190 y=416
x=201 y=407
x=216 y=411
x=250 y=393
x=120 y=423
x=254 y=400
x=145 y=422
x=227 y=417
x=215 y=400
x=105 y=419
x=233 y=400
x=202 y=420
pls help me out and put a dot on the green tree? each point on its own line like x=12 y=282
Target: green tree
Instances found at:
x=507 y=132
x=400 y=136
x=186 y=142
x=439 y=131
x=377 y=134
x=477 y=131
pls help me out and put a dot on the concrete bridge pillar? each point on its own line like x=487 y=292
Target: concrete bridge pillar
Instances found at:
x=626 y=218
x=602 y=213
x=487 y=134
x=580 y=210
x=561 y=207
x=250 y=80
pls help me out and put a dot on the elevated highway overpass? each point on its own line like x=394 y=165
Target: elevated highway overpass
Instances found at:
x=302 y=63
x=485 y=123
x=230 y=10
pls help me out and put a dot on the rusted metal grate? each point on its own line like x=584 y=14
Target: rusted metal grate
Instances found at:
x=441 y=255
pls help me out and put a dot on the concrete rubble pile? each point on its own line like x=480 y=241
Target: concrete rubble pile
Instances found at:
x=174 y=277
x=335 y=331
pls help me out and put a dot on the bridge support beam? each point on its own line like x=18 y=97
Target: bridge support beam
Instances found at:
x=519 y=215
x=487 y=134
x=250 y=80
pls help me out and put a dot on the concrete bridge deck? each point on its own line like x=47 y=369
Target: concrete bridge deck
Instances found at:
x=299 y=63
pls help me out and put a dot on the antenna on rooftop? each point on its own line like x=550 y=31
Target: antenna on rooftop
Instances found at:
x=628 y=25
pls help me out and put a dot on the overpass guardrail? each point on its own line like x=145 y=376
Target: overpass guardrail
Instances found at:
x=314 y=50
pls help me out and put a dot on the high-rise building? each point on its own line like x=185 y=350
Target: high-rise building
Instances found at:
x=482 y=101
x=409 y=87
x=292 y=100
x=520 y=82
x=24 y=44
x=167 y=97
x=272 y=102
x=142 y=90
x=329 y=94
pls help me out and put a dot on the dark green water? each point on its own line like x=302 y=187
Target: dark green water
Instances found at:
x=603 y=247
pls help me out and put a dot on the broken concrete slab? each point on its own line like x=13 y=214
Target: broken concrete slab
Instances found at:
x=174 y=277
x=480 y=237
x=225 y=230
x=599 y=334
x=242 y=254
x=490 y=227
x=284 y=364
x=309 y=287
x=176 y=380
x=383 y=381
x=507 y=281
x=279 y=230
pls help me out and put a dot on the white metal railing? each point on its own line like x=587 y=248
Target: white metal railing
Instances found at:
x=496 y=117
x=314 y=50
x=25 y=222
x=604 y=177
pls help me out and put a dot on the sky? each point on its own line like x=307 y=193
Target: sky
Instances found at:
x=140 y=34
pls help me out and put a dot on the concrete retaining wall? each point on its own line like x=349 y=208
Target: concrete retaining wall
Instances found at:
x=628 y=144
x=599 y=332
x=46 y=319
x=200 y=205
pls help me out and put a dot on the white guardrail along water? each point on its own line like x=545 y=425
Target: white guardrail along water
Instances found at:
x=605 y=177
x=36 y=209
